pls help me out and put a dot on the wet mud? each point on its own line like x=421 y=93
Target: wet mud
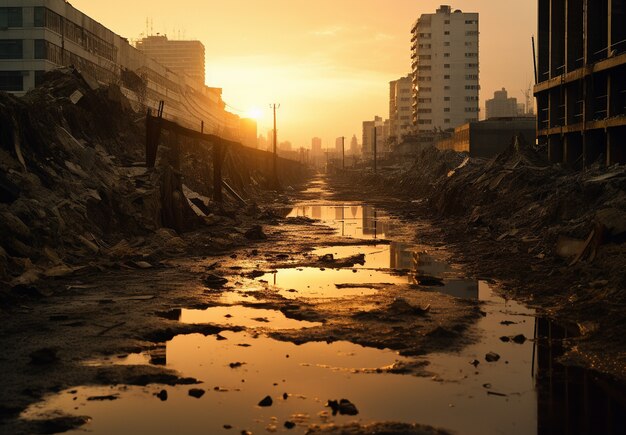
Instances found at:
x=340 y=302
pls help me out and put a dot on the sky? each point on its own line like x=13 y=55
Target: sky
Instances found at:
x=328 y=63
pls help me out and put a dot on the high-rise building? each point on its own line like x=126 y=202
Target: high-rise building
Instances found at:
x=581 y=75
x=182 y=57
x=501 y=106
x=368 y=136
x=444 y=54
x=400 y=108
x=354 y=145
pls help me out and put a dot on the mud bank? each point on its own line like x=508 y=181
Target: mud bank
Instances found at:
x=553 y=237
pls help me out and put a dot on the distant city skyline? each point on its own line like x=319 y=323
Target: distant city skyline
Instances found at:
x=328 y=63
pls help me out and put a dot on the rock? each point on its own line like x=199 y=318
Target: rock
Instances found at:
x=267 y=401
x=162 y=395
x=289 y=424
x=44 y=356
x=519 y=339
x=285 y=396
x=492 y=357
x=234 y=365
x=214 y=281
x=196 y=392
x=110 y=397
x=474 y=362
x=343 y=407
x=255 y=233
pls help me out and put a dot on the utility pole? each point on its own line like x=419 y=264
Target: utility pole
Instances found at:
x=275 y=172
x=375 y=168
x=343 y=153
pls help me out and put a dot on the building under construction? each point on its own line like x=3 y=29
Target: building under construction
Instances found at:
x=581 y=80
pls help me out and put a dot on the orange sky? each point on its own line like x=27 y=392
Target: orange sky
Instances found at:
x=327 y=62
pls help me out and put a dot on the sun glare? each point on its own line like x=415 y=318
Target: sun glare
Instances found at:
x=254 y=113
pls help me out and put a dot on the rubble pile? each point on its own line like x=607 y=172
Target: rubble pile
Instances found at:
x=74 y=186
x=556 y=235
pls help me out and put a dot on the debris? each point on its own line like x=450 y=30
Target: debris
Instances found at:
x=342 y=407
x=492 y=357
x=162 y=395
x=234 y=365
x=266 y=401
x=109 y=397
x=214 y=281
x=474 y=362
x=44 y=356
x=255 y=233
x=289 y=424
x=196 y=392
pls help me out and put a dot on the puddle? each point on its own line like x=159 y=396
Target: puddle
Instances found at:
x=358 y=221
x=244 y=316
x=311 y=282
x=525 y=391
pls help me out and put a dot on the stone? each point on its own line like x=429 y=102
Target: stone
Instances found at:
x=196 y=392
x=492 y=357
x=267 y=401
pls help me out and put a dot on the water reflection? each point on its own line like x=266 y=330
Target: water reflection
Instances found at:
x=243 y=316
x=357 y=221
x=572 y=400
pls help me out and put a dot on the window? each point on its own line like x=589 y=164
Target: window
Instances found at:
x=424 y=46
x=471 y=21
x=40 y=16
x=424 y=100
x=446 y=22
x=471 y=77
x=425 y=56
x=472 y=98
x=446 y=55
x=446 y=65
x=10 y=17
x=39 y=77
x=446 y=121
x=424 y=89
x=11 y=49
x=471 y=33
x=472 y=87
x=424 y=79
x=446 y=109
x=446 y=77
x=471 y=54
x=425 y=121
x=447 y=32
x=405 y=118
x=471 y=109
x=469 y=44
x=11 y=81
x=446 y=98
x=446 y=88
x=446 y=44
x=471 y=65
x=423 y=68
x=424 y=111
x=40 y=49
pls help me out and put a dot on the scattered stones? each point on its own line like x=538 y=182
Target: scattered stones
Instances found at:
x=44 y=356
x=266 y=401
x=196 y=392
x=110 y=397
x=214 y=281
x=343 y=407
x=255 y=233
x=492 y=357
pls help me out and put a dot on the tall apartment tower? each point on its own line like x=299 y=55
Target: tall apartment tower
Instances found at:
x=400 y=108
x=182 y=57
x=444 y=59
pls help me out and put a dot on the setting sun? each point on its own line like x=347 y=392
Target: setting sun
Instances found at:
x=254 y=113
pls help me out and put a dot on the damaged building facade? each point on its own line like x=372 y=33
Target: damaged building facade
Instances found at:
x=581 y=81
x=37 y=36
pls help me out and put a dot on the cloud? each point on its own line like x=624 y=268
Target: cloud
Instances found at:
x=328 y=31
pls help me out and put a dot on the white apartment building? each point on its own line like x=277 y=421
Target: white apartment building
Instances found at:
x=444 y=55
x=400 y=108
x=381 y=127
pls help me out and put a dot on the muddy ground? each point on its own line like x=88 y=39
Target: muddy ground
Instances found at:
x=128 y=306
x=493 y=236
